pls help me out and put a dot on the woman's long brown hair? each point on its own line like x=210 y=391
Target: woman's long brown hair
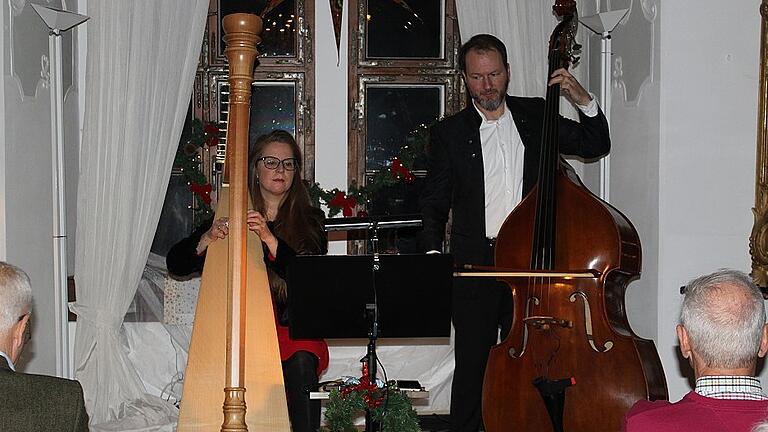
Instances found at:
x=297 y=223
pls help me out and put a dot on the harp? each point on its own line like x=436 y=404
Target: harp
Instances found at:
x=234 y=342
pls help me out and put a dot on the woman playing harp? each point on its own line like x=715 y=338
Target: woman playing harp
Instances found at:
x=287 y=225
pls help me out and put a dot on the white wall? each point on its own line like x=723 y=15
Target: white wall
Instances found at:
x=331 y=112
x=3 y=219
x=25 y=142
x=684 y=154
x=707 y=148
x=634 y=175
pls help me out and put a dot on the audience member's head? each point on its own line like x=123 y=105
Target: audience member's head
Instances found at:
x=15 y=307
x=722 y=327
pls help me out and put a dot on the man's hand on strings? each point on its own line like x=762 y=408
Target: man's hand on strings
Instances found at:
x=570 y=87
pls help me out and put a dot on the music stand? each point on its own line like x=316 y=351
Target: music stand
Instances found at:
x=329 y=295
x=370 y=295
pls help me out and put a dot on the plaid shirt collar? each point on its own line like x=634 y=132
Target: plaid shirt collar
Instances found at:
x=730 y=387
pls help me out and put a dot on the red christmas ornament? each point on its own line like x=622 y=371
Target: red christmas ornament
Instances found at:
x=212 y=134
x=399 y=171
x=345 y=203
x=204 y=191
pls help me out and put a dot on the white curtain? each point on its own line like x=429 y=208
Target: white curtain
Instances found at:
x=142 y=56
x=524 y=26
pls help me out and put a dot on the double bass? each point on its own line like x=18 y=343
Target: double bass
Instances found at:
x=570 y=362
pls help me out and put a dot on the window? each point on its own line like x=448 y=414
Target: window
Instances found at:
x=402 y=78
x=284 y=76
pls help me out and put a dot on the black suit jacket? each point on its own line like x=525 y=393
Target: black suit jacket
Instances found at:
x=455 y=177
x=39 y=403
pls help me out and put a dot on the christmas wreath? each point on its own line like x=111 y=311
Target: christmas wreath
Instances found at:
x=399 y=171
x=389 y=407
x=194 y=137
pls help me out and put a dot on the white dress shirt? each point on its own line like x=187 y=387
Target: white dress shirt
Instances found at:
x=503 y=154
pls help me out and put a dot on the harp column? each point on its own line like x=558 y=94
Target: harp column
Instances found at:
x=241 y=36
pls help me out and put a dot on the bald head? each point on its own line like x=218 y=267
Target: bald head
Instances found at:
x=15 y=306
x=724 y=316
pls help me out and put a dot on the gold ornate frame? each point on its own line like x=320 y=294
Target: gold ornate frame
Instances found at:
x=758 y=240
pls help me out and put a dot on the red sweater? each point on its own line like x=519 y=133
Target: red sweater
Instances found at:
x=696 y=413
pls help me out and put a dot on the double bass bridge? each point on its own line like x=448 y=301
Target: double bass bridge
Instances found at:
x=545 y=323
x=537 y=322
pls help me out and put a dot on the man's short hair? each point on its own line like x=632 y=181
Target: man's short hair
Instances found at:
x=15 y=295
x=724 y=315
x=481 y=42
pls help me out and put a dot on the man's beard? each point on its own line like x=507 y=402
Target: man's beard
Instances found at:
x=490 y=104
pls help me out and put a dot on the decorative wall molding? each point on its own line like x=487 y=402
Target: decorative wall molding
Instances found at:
x=28 y=48
x=633 y=42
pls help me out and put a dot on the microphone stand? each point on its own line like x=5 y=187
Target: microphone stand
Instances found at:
x=372 y=314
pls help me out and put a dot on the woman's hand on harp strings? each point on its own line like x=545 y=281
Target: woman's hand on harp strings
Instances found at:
x=570 y=87
x=258 y=224
x=219 y=230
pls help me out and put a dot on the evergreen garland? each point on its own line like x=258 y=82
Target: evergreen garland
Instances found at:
x=356 y=196
x=390 y=407
x=187 y=160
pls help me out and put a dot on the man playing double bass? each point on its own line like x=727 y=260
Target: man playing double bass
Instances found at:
x=481 y=162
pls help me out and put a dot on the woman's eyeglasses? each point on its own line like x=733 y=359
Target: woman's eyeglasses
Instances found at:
x=271 y=162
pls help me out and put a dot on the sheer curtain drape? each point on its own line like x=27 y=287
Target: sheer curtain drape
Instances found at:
x=142 y=56
x=524 y=26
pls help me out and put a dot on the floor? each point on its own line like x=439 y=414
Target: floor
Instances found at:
x=434 y=423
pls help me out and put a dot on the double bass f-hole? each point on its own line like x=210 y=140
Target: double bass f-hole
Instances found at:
x=512 y=351
x=588 y=323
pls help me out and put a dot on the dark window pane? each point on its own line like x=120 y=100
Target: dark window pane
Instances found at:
x=176 y=217
x=278 y=39
x=404 y=28
x=399 y=199
x=280 y=27
x=393 y=116
x=273 y=106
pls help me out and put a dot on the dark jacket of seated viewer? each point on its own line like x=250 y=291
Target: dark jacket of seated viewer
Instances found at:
x=30 y=403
